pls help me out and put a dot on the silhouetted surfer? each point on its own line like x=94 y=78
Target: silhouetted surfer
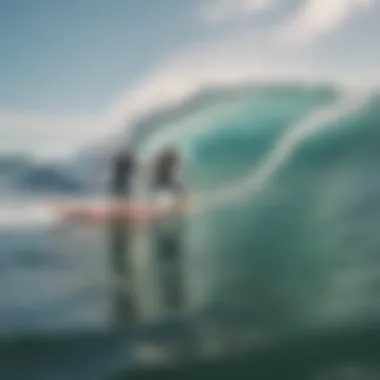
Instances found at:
x=167 y=234
x=123 y=168
x=165 y=170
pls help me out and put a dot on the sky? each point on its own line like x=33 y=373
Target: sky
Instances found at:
x=74 y=71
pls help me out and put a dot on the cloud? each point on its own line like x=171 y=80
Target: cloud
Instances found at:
x=316 y=18
x=46 y=136
x=216 y=11
x=310 y=20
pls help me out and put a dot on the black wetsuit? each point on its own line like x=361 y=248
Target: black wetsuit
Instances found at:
x=122 y=174
x=121 y=187
x=169 y=246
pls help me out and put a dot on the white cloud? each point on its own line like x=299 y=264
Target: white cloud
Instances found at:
x=46 y=136
x=318 y=17
x=216 y=11
x=312 y=19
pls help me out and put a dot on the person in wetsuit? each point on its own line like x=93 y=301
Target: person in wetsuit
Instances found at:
x=167 y=234
x=123 y=169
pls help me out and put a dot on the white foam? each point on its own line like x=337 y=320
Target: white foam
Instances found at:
x=18 y=215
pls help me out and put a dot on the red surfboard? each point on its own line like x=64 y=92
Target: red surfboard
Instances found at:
x=120 y=212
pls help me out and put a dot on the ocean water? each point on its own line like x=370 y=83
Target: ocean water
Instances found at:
x=283 y=231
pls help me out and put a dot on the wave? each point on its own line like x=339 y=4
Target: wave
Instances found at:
x=280 y=118
x=283 y=149
x=256 y=127
x=288 y=209
x=202 y=108
x=267 y=166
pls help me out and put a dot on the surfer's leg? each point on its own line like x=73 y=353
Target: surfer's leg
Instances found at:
x=119 y=253
x=169 y=256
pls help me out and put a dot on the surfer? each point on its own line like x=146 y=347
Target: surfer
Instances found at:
x=123 y=169
x=165 y=170
x=167 y=233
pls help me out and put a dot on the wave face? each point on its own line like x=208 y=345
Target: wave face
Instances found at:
x=286 y=180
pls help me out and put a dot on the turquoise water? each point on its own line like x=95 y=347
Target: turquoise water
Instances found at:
x=293 y=236
x=285 y=228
